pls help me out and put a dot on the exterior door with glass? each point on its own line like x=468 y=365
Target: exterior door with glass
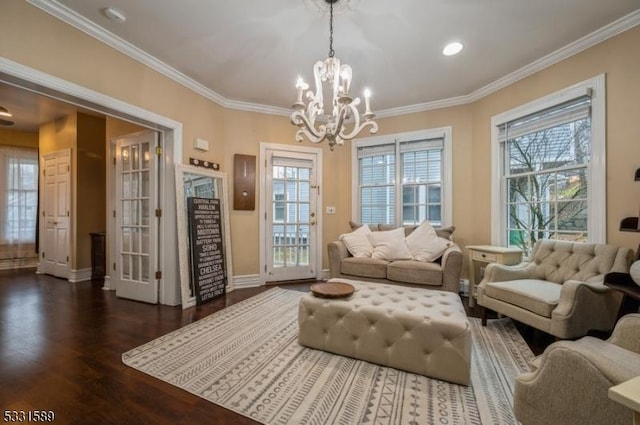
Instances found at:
x=291 y=215
x=136 y=225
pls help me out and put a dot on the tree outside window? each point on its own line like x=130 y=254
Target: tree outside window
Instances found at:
x=547 y=184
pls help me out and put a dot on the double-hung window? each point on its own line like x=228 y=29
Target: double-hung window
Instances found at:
x=550 y=156
x=403 y=178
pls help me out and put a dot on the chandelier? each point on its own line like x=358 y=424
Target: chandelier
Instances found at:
x=344 y=122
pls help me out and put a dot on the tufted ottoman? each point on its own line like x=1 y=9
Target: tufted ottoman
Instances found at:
x=414 y=329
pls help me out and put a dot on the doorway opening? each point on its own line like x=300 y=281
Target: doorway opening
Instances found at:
x=32 y=82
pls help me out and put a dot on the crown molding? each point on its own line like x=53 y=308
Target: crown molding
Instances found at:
x=422 y=107
x=616 y=27
x=60 y=11
x=88 y=27
x=54 y=8
x=255 y=107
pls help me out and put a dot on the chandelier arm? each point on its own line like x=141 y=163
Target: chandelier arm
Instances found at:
x=308 y=127
x=357 y=127
x=313 y=138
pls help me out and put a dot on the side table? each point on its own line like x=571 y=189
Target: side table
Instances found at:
x=485 y=254
x=623 y=283
x=628 y=394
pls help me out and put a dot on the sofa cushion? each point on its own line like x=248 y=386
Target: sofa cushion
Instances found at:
x=357 y=242
x=425 y=244
x=354 y=226
x=389 y=245
x=410 y=271
x=443 y=232
x=538 y=296
x=364 y=267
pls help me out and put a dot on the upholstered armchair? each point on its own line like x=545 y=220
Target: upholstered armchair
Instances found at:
x=559 y=289
x=570 y=380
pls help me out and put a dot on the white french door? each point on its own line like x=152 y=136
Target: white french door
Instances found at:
x=136 y=226
x=291 y=215
x=56 y=212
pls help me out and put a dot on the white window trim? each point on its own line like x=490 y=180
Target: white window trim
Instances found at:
x=447 y=166
x=596 y=207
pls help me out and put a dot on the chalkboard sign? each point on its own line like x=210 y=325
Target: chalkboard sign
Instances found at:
x=208 y=271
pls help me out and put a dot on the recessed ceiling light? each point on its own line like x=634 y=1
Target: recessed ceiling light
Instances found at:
x=114 y=14
x=452 y=48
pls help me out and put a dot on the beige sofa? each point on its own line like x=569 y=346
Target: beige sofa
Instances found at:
x=559 y=289
x=570 y=380
x=443 y=273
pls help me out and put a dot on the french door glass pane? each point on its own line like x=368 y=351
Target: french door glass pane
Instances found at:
x=136 y=211
x=291 y=215
x=126 y=274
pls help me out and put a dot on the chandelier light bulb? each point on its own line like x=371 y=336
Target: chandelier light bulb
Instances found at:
x=367 y=102
x=301 y=86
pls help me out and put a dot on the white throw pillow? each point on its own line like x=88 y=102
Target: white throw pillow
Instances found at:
x=389 y=245
x=357 y=242
x=425 y=244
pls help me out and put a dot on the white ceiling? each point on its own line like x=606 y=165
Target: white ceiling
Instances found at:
x=250 y=52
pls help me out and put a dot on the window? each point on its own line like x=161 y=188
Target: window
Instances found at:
x=19 y=174
x=403 y=178
x=549 y=183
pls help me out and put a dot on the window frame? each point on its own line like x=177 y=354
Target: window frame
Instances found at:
x=397 y=139
x=596 y=168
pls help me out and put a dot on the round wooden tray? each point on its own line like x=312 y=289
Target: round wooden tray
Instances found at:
x=331 y=289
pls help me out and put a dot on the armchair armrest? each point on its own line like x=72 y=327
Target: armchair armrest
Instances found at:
x=583 y=306
x=451 y=263
x=571 y=290
x=573 y=375
x=337 y=252
x=626 y=334
x=496 y=272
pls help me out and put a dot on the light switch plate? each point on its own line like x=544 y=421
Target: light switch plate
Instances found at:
x=331 y=210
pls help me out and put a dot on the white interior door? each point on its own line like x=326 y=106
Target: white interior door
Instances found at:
x=291 y=217
x=136 y=225
x=56 y=211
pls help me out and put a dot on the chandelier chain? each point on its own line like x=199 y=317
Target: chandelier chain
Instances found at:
x=331 y=52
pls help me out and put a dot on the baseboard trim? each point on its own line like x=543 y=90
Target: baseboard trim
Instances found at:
x=253 y=280
x=107 y=284
x=246 y=281
x=81 y=275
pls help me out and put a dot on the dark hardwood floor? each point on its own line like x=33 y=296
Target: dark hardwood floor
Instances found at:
x=61 y=346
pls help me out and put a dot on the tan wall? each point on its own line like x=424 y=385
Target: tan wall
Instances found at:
x=35 y=39
x=91 y=187
x=20 y=139
x=116 y=128
x=58 y=135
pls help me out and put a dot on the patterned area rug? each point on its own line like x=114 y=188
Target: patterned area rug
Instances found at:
x=246 y=358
